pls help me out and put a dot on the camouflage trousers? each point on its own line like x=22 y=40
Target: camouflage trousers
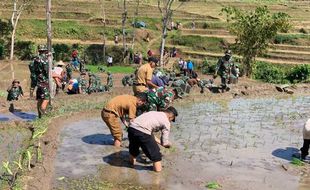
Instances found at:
x=33 y=82
x=224 y=83
x=43 y=92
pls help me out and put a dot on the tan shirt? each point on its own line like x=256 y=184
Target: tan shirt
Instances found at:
x=123 y=105
x=153 y=121
x=145 y=72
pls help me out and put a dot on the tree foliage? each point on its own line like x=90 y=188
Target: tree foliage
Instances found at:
x=254 y=30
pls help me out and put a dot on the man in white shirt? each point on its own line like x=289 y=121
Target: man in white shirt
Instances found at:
x=140 y=134
x=110 y=61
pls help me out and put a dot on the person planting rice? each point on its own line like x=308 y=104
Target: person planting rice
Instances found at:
x=119 y=107
x=140 y=134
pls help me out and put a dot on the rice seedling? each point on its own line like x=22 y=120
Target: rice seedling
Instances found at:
x=213 y=185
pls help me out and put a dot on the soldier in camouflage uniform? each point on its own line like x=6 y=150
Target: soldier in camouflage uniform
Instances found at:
x=92 y=83
x=204 y=84
x=83 y=86
x=14 y=92
x=160 y=99
x=41 y=73
x=128 y=80
x=69 y=71
x=181 y=84
x=109 y=81
x=99 y=86
x=33 y=78
x=223 y=68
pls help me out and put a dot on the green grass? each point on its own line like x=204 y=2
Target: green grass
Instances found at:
x=290 y=38
x=198 y=42
x=213 y=185
x=3 y=93
x=65 y=30
x=297 y=162
x=113 y=69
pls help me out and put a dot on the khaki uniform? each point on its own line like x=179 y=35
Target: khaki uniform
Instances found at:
x=144 y=73
x=118 y=107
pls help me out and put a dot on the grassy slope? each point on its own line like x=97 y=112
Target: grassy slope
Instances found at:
x=80 y=20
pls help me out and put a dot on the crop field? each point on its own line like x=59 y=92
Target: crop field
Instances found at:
x=242 y=139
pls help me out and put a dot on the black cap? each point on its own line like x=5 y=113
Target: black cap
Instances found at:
x=153 y=59
x=173 y=111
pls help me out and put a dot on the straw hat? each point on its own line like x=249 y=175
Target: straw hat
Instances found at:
x=61 y=63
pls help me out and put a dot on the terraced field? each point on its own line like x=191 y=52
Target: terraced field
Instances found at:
x=79 y=21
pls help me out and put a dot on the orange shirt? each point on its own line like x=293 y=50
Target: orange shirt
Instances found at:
x=145 y=72
x=123 y=105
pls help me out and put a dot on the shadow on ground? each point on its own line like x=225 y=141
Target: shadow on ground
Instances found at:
x=25 y=115
x=121 y=159
x=4 y=118
x=286 y=153
x=99 y=139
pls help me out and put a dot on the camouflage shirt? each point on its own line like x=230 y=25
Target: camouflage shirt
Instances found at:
x=83 y=85
x=14 y=92
x=223 y=67
x=110 y=81
x=159 y=99
x=41 y=69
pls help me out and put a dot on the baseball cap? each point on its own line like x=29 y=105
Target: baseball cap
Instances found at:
x=172 y=110
x=154 y=60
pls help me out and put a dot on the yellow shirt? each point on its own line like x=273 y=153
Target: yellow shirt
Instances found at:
x=123 y=105
x=145 y=72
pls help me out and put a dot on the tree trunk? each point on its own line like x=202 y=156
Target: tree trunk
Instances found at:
x=104 y=29
x=163 y=41
x=49 y=43
x=123 y=29
x=12 y=53
x=12 y=43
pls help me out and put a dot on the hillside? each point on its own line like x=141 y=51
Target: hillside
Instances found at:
x=80 y=21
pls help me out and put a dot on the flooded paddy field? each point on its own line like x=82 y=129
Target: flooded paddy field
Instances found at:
x=240 y=144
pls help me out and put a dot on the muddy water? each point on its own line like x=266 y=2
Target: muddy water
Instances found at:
x=242 y=144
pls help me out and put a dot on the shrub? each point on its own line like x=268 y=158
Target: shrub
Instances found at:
x=208 y=67
x=62 y=52
x=269 y=73
x=299 y=73
x=25 y=50
x=95 y=55
x=1 y=51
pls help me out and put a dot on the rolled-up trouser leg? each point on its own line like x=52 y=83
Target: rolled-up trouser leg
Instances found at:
x=112 y=121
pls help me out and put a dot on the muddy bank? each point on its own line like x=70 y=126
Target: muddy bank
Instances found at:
x=241 y=144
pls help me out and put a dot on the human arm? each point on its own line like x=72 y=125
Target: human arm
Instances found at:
x=165 y=136
x=21 y=91
x=217 y=68
x=124 y=122
x=150 y=84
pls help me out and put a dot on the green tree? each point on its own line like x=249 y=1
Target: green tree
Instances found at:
x=254 y=30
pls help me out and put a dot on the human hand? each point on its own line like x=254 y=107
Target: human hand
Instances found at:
x=167 y=145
